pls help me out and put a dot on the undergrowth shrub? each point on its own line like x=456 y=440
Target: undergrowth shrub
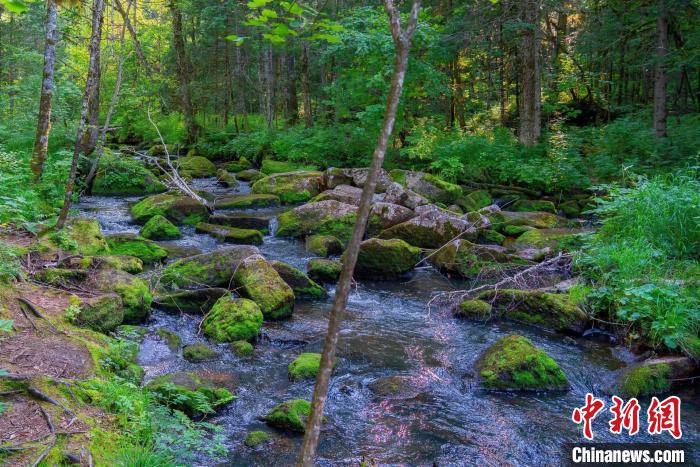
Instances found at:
x=10 y=267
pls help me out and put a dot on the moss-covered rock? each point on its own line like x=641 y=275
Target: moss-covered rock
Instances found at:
x=129 y=244
x=247 y=201
x=249 y=175
x=258 y=280
x=177 y=208
x=553 y=311
x=570 y=208
x=135 y=293
x=384 y=215
x=239 y=165
x=344 y=193
x=102 y=313
x=213 y=269
x=196 y=167
x=198 y=353
x=160 y=150
x=432 y=187
x=475 y=200
x=290 y=415
x=160 y=228
x=539 y=220
x=334 y=176
x=305 y=366
x=126 y=263
x=328 y=217
x=61 y=277
x=654 y=377
x=466 y=259
x=186 y=391
x=131 y=333
x=398 y=194
x=82 y=236
x=432 y=228
x=396 y=387
x=386 y=259
x=172 y=339
x=270 y=167
x=246 y=220
x=124 y=175
x=189 y=301
x=514 y=363
x=541 y=205
x=292 y=187
x=256 y=438
x=553 y=239
x=231 y=234
x=491 y=236
x=516 y=230
x=242 y=348
x=226 y=179
x=300 y=283
x=475 y=309
x=232 y=319
x=324 y=270
x=324 y=245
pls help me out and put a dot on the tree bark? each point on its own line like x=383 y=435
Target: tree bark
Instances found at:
x=292 y=104
x=402 y=40
x=43 y=127
x=268 y=75
x=660 y=78
x=183 y=73
x=90 y=83
x=306 y=85
x=529 y=102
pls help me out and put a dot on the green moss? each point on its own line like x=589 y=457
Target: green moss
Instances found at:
x=133 y=245
x=300 y=283
x=290 y=415
x=136 y=297
x=386 y=259
x=476 y=309
x=247 y=201
x=324 y=270
x=256 y=438
x=514 y=363
x=102 y=314
x=190 y=301
x=232 y=319
x=249 y=175
x=516 y=230
x=270 y=167
x=160 y=228
x=398 y=176
x=226 y=179
x=293 y=187
x=124 y=176
x=172 y=339
x=474 y=201
x=259 y=281
x=467 y=259
x=239 y=165
x=125 y=263
x=291 y=224
x=645 y=380
x=198 y=353
x=82 y=236
x=193 y=393
x=491 y=236
x=526 y=205
x=547 y=238
x=454 y=192
x=132 y=333
x=324 y=245
x=231 y=234
x=242 y=348
x=196 y=167
x=208 y=269
x=175 y=207
x=61 y=276
x=570 y=208
x=305 y=366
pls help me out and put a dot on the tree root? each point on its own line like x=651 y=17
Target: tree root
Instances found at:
x=48 y=448
x=35 y=310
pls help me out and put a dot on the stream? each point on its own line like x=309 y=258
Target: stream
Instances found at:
x=388 y=330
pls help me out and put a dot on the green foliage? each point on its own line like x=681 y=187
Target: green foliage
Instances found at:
x=643 y=262
x=10 y=267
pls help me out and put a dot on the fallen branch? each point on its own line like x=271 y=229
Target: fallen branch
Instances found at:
x=48 y=448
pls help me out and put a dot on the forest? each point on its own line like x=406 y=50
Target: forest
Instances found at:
x=333 y=232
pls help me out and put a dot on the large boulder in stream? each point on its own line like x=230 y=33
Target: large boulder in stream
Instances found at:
x=233 y=319
x=356 y=177
x=253 y=201
x=463 y=258
x=398 y=194
x=539 y=220
x=135 y=293
x=324 y=270
x=259 y=281
x=175 y=207
x=386 y=259
x=213 y=269
x=433 y=227
x=549 y=310
x=305 y=366
x=324 y=245
x=246 y=220
x=292 y=187
x=514 y=363
x=290 y=415
x=160 y=228
x=302 y=285
x=189 y=301
x=196 y=167
x=430 y=186
x=231 y=234
x=653 y=377
x=134 y=245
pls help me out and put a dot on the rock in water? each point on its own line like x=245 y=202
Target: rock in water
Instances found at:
x=259 y=281
x=386 y=259
x=432 y=228
x=160 y=228
x=292 y=187
x=177 y=208
x=233 y=319
x=231 y=234
x=302 y=285
x=305 y=366
x=190 y=301
x=213 y=269
x=466 y=259
x=324 y=245
x=430 y=186
x=324 y=270
x=134 y=245
x=290 y=415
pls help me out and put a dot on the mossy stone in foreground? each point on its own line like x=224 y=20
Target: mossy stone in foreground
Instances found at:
x=475 y=309
x=242 y=348
x=324 y=245
x=515 y=363
x=290 y=415
x=172 y=339
x=259 y=281
x=160 y=228
x=300 y=283
x=231 y=234
x=386 y=259
x=644 y=380
x=256 y=438
x=103 y=313
x=232 y=319
x=186 y=391
x=83 y=236
x=134 y=292
x=212 y=269
x=305 y=366
x=475 y=200
x=198 y=353
x=134 y=245
x=324 y=270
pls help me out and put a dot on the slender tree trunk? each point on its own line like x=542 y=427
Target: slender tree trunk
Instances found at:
x=269 y=82
x=183 y=73
x=91 y=81
x=292 y=105
x=458 y=89
x=132 y=31
x=306 y=85
x=660 y=78
x=402 y=40
x=529 y=101
x=89 y=140
x=43 y=127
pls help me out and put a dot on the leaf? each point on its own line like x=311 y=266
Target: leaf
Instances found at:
x=238 y=40
x=267 y=13
x=258 y=3
x=6 y=325
x=14 y=6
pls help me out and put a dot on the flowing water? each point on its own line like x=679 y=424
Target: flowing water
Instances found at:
x=388 y=330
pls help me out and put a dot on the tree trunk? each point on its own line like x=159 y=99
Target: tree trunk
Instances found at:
x=458 y=89
x=292 y=105
x=402 y=40
x=90 y=83
x=43 y=127
x=306 y=85
x=89 y=140
x=660 y=78
x=183 y=73
x=269 y=87
x=529 y=102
